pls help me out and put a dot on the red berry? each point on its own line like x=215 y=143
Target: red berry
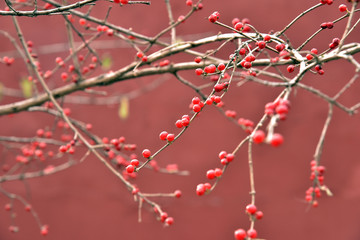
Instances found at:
x=169 y=221
x=163 y=216
x=189 y=3
x=170 y=137
x=198 y=71
x=252 y=233
x=130 y=169
x=200 y=189
x=267 y=38
x=210 y=174
x=179 y=124
x=240 y=234
x=238 y=26
x=261 y=44
x=259 y=215
x=198 y=59
x=178 y=193
x=124 y=1
x=279 y=47
x=342 y=8
x=251 y=209
x=309 y=56
x=218 y=172
x=195 y=100
x=276 y=140
x=135 y=162
x=221 y=67
x=329 y=25
x=259 y=136
x=230 y=157
x=314 y=51
x=222 y=154
x=196 y=108
x=146 y=153
x=290 y=68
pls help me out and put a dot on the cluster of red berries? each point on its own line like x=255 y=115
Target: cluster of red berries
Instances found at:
x=254 y=214
x=225 y=158
x=317 y=176
x=319 y=69
x=335 y=42
x=328 y=25
x=214 y=17
x=196 y=104
x=328 y=2
x=280 y=108
x=247 y=124
x=8 y=60
x=241 y=25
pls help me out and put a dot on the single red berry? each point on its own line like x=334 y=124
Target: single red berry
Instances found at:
x=251 y=209
x=198 y=59
x=276 y=140
x=230 y=157
x=44 y=230
x=221 y=67
x=219 y=87
x=247 y=65
x=279 y=47
x=238 y=26
x=222 y=154
x=196 y=108
x=189 y=3
x=259 y=215
x=309 y=57
x=163 y=216
x=252 y=233
x=290 y=68
x=282 y=109
x=218 y=172
x=178 y=193
x=144 y=59
x=267 y=38
x=314 y=51
x=342 y=8
x=135 y=162
x=63 y=148
x=124 y=1
x=28 y=208
x=195 y=100
x=329 y=25
x=198 y=71
x=210 y=174
x=261 y=44
x=323 y=25
x=170 y=137
x=259 y=136
x=130 y=169
x=200 y=189
x=169 y=221
x=179 y=124
x=240 y=234
x=146 y=153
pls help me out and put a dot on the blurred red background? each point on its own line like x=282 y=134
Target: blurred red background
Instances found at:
x=88 y=202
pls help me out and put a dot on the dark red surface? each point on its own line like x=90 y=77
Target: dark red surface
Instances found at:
x=88 y=202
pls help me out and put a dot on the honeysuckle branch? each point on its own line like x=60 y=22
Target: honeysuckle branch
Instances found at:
x=58 y=10
x=13 y=196
x=126 y=73
x=40 y=173
x=348 y=25
x=297 y=18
